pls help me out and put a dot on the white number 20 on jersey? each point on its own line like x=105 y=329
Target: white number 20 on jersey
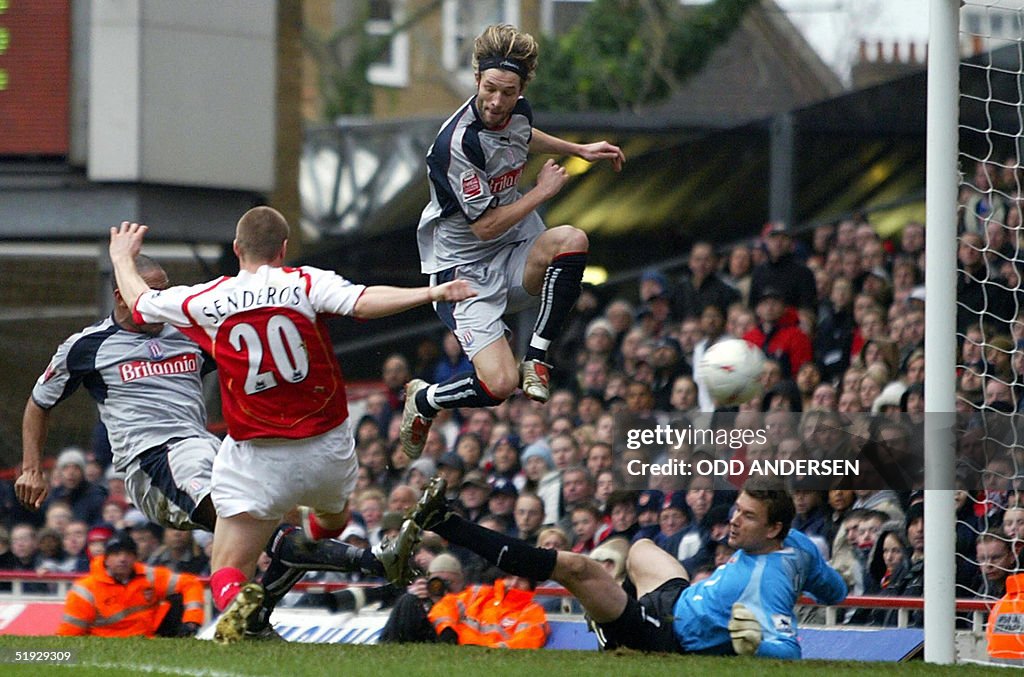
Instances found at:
x=286 y=349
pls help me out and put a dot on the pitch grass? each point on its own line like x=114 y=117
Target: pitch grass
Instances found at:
x=114 y=657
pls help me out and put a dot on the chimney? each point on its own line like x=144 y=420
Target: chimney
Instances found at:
x=913 y=52
x=896 y=52
x=880 y=50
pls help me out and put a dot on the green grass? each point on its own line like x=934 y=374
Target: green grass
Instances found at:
x=114 y=657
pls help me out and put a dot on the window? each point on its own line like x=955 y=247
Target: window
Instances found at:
x=463 y=21
x=392 y=68
x=558 y=17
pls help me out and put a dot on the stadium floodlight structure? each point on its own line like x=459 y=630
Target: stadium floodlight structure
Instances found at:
x=940 y=342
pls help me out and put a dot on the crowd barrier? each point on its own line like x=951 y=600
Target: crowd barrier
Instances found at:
x=26 y=609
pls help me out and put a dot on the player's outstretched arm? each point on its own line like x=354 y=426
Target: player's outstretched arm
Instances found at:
x=542 y=142
x=125 y=245
x=31 y=486
x=381 y=301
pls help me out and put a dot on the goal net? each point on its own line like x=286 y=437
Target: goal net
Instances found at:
x=990 y=301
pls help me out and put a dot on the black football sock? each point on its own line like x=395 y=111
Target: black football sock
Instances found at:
x=354 y=599
x=461 y=390
x=509 y=554
x=557 y=297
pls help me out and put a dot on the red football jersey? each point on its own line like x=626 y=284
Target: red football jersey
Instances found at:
x=279 y=377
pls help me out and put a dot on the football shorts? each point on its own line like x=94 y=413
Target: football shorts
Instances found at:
x=498 y=281
x=646 y=624
x=168 y=482
x=268 y=477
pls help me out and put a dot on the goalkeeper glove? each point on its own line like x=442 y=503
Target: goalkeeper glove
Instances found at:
x=744 y=630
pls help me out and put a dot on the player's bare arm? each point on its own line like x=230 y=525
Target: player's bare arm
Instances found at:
x=125 y=245
x=542 y=142
x=381 y=301
x=31 y=486
x=496 y=221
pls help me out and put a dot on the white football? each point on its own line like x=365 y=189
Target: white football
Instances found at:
x=731 y=372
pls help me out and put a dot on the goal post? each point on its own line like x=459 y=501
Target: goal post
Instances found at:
x=940 y=341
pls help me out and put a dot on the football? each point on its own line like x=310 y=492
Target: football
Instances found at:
x=731 y=371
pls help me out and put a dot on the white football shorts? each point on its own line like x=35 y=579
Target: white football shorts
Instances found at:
x=268 y=477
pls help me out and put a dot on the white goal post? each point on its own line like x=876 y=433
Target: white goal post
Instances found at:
x=940 y=339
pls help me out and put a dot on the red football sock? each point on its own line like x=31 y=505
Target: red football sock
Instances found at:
x=225 y=584
x=318 y=532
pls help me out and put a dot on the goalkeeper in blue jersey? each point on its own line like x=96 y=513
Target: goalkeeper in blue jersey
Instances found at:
x=745 y=607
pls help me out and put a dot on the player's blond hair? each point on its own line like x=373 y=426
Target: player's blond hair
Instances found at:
x=260 y=233
x=506 y=41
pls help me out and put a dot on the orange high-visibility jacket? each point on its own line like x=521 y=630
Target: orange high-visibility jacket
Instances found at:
x=1005 y=632
x=485 y=615
x=99 y=605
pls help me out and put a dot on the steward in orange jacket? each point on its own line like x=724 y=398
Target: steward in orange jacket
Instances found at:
x=502 y=616
x=122 y=598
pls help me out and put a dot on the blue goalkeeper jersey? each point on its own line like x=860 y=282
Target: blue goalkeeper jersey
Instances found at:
x=768 y=585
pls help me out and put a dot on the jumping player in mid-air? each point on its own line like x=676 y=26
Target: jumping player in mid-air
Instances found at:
x=745 y=607
x=480 y=227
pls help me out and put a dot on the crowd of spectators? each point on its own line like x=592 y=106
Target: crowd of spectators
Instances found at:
x=839 y=314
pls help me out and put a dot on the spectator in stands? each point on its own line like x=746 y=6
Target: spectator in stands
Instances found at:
x=473 y=495
x=86 y=499
x=588 y=527
x=606 y=482
x=702 y=286
x=778 y=333
x=49 y=552
x=470 y=447
x=452 y=469
x=621 y=511
x=76 y=560
x=147 y=537
x=529 y=517
x=995 y=559
x=577 y=487
x=395 y=373
x=502 y=499
x=811 y=516
x=23 y=555
x=888 y=558
x=673 y=520
x=408 y=620
x=58 y=515
x=981 y=294
x=793 y=280
x=401 y=498
x=538 y=466
x=599 y=456
x=113 y=512
x=846 y=556
x=179 y=552
x=504 y=462
x=553 y=538
x=667 y=363
x=96 y=539
x=419 y=472
x=454 y=361
x=908 y=581
x=122 y=597
x=738 y=268
x=981 y=204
